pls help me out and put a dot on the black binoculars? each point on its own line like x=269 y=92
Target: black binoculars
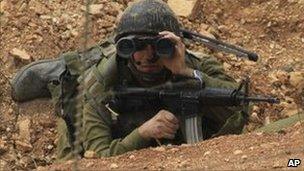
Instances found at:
x=162 y=47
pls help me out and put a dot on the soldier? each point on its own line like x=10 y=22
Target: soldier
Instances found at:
x=141 y=23
x=139 y=59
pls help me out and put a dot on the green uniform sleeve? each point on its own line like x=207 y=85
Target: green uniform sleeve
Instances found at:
x=214 y=74
x=97 y=134
x=97 y=122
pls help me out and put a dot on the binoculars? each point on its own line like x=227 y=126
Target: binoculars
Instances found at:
x=162 y=47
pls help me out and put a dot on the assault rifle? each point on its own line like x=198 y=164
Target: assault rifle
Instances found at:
x=186 y=98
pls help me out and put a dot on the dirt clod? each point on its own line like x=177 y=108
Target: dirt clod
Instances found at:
x=35 y=29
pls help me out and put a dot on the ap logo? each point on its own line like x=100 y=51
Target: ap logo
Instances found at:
x=294 y=163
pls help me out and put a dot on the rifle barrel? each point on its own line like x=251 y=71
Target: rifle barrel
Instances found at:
x=262 y=99
x=219 y=45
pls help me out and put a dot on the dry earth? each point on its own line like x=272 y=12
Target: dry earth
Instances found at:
x=37 y=29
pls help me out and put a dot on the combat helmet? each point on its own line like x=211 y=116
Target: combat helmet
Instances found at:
x=147 y=17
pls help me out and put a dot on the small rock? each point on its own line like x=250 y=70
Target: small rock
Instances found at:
x=69 y=162
x=3 y=147
x=255 y=117
x=22 y=146
x=259 y=133
x=55 y=20
x=40 y=168
x=25 y=161
x=45 y=17
x=116 y=8
x=183 y=164
x=113 y=166
x=296 y=78
x=213 y=32
x=282 y=131
x=131 y=156
x=206 y=33
x=186 y=145
x=244 y=157
x=226 y=160
x=250 y=63
x=267 y=120
x=50 y=147
x=48 y=123
x=223 y=29
x=297 y=124
x=3 y=5
x=278 y=165
x=24 y=130
x=181 y=7
x=66 y=34
x=302 y=39
x=95 y=9
x=38 y=7
x=226 y=66
x=90 y=154
x=74 y=33
x=236 y=152
x=10 y=111
x=90 y=164
x=159 y=149
x=21 y=54
x=204 y=26
x=207 y=153
x=255 y=108
x=243 y=21
x=266 y=145
x=290 y=108
x=174 y=150
x=22 y=7
x=4 y=137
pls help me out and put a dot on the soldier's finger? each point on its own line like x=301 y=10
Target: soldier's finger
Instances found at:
x=173 y=126
x=164 y=134
x=168 y=136
x=176 y=40
x=171 y=118
x=169 y=35
x=168 y=128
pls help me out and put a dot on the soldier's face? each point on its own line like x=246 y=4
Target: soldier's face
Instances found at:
x=143 y=61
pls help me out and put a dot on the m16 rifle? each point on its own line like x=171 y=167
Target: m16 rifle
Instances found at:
x=188 y=100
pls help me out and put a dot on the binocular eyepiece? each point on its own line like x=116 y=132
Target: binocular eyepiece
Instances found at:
x=162 y=47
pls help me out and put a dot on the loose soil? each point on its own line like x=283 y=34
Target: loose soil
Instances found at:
x=272 y=28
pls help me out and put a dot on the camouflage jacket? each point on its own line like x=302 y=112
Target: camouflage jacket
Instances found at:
x=107 y=134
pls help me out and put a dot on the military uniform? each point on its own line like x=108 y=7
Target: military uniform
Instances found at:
x=107 y=134
x=102 y=131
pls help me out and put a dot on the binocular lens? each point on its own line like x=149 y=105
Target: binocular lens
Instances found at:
x=164 y=48
x=125 y=48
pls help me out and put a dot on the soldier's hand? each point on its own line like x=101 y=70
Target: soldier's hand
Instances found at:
x=163 y=125
x=177 y=64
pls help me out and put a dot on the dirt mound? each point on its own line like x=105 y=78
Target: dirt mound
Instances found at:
x=248 y=151
x=36 y=29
